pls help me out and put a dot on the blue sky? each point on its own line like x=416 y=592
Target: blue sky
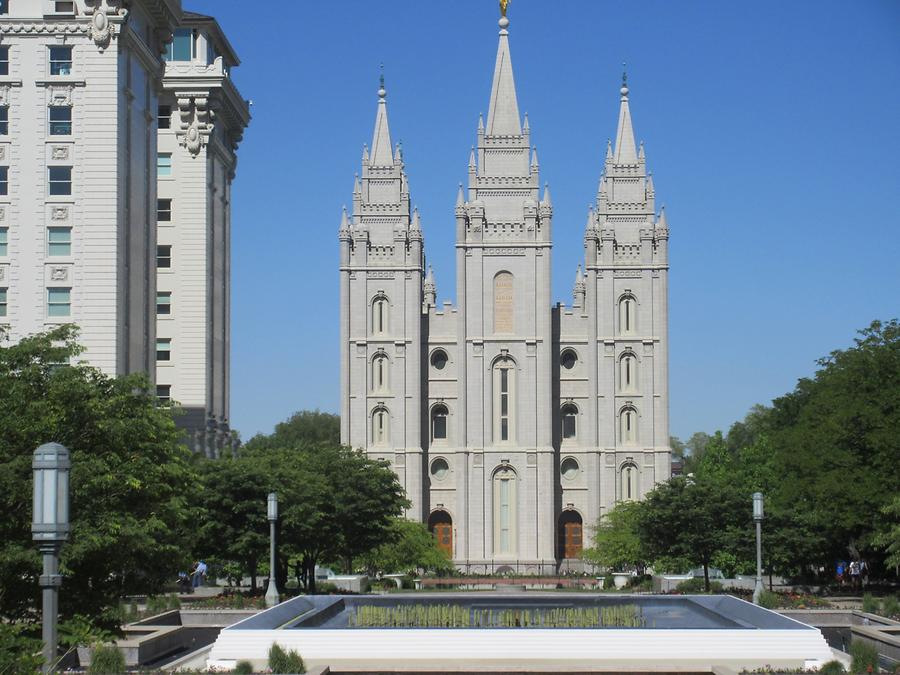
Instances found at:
x=772 y=129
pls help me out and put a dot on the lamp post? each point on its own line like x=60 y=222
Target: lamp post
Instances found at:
x=758 y=518
x=49 y=529
x=272 y=512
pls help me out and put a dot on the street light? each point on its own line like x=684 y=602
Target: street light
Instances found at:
x=758 y=518
x=272 y=512
x=49 y=529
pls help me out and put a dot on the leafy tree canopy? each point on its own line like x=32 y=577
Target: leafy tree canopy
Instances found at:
x=408 y=548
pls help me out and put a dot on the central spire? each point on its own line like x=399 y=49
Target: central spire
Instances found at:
x=625 y=149
x=382 y=152
x=503 y=114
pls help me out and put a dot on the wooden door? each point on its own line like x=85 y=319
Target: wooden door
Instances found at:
x=572 y=539
x=443 y=533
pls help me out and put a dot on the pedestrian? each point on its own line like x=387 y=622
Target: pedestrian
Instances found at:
x=840 y=572
x=863 y=572
x=854 y=574
x=199 y=574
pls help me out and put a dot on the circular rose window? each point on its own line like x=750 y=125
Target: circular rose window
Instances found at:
x=440 y=468
x=569 y=468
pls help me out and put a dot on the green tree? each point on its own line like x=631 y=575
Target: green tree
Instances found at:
x=303 y=427
x=409 y=547
x=888 y=536
x=617 y=542
x=131 y=479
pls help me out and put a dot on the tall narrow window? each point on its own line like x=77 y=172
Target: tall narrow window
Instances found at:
x=4 y=242
x=60 y=120
x=60 y=182
x=4 y=121
x=60 y=60
x=569 y=414
x=3 y=302
x=4 y=60
x=59 y=302
x=164 y=256
x=59 y=241
x=627 y=315
x=380 y=426
x=439 y=423
x=628 y=421
x=628 y=372
x=164 y=303
x=164 y=164
x=163 y=349
x=163 y=210
x=505 y=512
x=380 y=315
x=164 y=116
x=504 y=400
x=4 y=180
x=380 y=372
x=629 y=482
x=181 y=48
x=504 y=299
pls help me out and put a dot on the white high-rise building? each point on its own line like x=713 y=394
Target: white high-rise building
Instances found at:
x=80 y=88
x=509 y=422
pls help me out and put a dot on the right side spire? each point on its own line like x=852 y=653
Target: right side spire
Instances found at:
x=626 y=151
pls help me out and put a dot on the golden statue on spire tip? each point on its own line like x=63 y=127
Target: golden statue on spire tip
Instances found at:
x=504 y=5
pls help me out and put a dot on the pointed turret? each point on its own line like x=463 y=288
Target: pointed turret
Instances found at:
x=345 y=223
x=357 y=188
x=535 y=165
x=472 y=159
x=382 y=154
x=430 y=289
x=546 y=201
x=416 y=224
x=503 y=114
x=525 y=126
x=661 y=222
x=626 y=152
x=460 y=197
x=590 y=217
x=641 y=152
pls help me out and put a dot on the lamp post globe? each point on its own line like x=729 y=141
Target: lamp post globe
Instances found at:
x=758 y=516
x=50 y=465
x=272 y=598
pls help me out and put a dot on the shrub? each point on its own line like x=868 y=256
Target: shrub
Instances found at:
x=281 y=661
x=865 y=657
x=769 y=600
x=832 y=668
x=106 y=660
x=890 y=606
x=870 y=604
x=696 y=585
x=324 y=588
x=246 y=668
x=19 y=652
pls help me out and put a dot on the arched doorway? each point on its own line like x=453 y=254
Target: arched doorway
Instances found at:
x=571 y=533
x=440 y=524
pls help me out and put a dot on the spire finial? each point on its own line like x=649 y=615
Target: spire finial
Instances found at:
x=624 y=89
x=382 y=92
x=504 y=21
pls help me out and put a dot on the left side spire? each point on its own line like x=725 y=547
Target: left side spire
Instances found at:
x=382 y=153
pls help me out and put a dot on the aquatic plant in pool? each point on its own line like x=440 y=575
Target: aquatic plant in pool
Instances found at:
x=461 y=616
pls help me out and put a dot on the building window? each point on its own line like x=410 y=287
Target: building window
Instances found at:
x=505 y=511
x=164 y=164
x=629 y=482
x=504 y=298
x=569 y=468
x=380 y=309
x=504 y=400
x=63 y=6
x=60 y=120
x=163 y=210
x=568 y=359
x=628 y=422
x=4 y=7
x=439 y=422
x=181 y=48
x=569 y=414
x=164 y=116
x=164 y=393
x=628 y=372
x=380 y=366
x=164 y=257
x=60 y=60
x=59 y=302
x=60 y=180
x=439 y=359
x=4 y=60
x=4 y=121
x=163 y=349
x=380 y=426
x=164 y=302
x=627 y=315
x=3 y=302
x=59 y=241
x=4 y=242
x=4 y=180
x=440 y=469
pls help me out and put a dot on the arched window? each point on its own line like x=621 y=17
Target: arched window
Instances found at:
x=628 y=424
x=628 y=372
x=505 y=512
x=504 y=400
x=439 y=422
x=504 y=301
x=568 y=359
x=380 y=371
x=629 y=482
x=439 y=359
x=569 y=415
x=381 y=425
x=627 y=315
x=380 y=315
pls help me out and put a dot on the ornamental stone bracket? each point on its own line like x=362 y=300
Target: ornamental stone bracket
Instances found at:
x=102 y=29
x=196 y=121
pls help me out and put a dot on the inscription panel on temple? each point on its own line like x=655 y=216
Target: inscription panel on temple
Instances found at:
x=504 y=301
